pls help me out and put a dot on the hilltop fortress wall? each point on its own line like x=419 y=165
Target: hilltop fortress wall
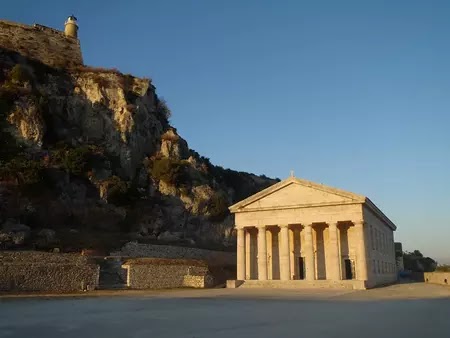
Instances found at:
x=41 y=43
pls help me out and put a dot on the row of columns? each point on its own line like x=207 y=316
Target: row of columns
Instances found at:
x=285 y=267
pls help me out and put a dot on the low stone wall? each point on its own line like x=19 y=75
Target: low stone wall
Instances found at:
x=40 y=271
x=167 y=273
x=437 y=277
x=134 y=249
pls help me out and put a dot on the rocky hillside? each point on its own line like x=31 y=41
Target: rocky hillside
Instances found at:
x=88 y=159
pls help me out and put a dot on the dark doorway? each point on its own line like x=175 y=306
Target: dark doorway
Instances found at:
x=301 y=268
x=348 y=269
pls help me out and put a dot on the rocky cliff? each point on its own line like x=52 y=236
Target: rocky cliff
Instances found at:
x=89 y=160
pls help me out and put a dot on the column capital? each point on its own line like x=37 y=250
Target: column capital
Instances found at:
x=359 y=223
x=283 y=225
x=332 y=224
x=261 y=227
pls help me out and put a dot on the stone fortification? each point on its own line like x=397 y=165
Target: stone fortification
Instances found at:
x=151 y=273
x=40 y=271
x=41 y=43
x=437 y=277
x=134 y=249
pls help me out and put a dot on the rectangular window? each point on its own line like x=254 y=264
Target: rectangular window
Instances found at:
x=374 y=268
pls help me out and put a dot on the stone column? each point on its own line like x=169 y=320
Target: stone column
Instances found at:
x=285 y=266
x=334 y=254
x=361 y=250
x=241 y=254
x=248 y=257
x=309 y=253
x=262 y=253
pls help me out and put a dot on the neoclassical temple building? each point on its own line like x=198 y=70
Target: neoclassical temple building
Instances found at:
x=297 y=233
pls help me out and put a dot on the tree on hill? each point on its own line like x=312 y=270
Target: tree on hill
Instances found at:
x=415 y=261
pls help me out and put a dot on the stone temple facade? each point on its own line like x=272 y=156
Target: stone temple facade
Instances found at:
x=299 y=233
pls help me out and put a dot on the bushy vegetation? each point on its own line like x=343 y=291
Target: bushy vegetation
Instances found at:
x=89 y=69
x=120 y=192
x=218 y=207
x=24 y=170
x=74 y=160
x=242 y=183
x=443 y=268
x=162 y=109
x=19 y=74
x=415 y=261
x=170 y=171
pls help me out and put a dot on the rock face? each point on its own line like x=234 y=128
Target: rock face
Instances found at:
x=28 y=121
x=173 y=146
x=109 y=109
x=13 y=234
x=91 y=161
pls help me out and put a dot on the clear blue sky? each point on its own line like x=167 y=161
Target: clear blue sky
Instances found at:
x=353 y=94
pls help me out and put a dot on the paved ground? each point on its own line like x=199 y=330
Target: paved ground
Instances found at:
x=407 y=310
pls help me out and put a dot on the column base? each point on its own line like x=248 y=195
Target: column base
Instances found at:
x=233 y=283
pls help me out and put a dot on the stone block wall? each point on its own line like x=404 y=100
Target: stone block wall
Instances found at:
x=134 y=249
x=40 y=271
x=166 y=274
x=41 y=43
x=442 y=278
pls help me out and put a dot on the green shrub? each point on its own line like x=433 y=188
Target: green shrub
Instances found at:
x=218 y=207
x=72 y=160
x=117 y=190
x=170 y=171
x=19 y=74
x=25 y=171
x=121 y=192
x=162 y=109
x=443 y=268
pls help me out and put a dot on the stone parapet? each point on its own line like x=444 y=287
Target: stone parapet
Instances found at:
x=442 y=278
x=41 y=43
x=39 y=257
x=134 y=249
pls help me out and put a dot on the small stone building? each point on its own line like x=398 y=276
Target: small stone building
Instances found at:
x=303 y=234
x=162 y=273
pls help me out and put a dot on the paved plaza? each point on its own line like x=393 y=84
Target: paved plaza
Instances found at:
x=404 y=310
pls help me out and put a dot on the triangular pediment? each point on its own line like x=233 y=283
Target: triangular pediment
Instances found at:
x=296 y=192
